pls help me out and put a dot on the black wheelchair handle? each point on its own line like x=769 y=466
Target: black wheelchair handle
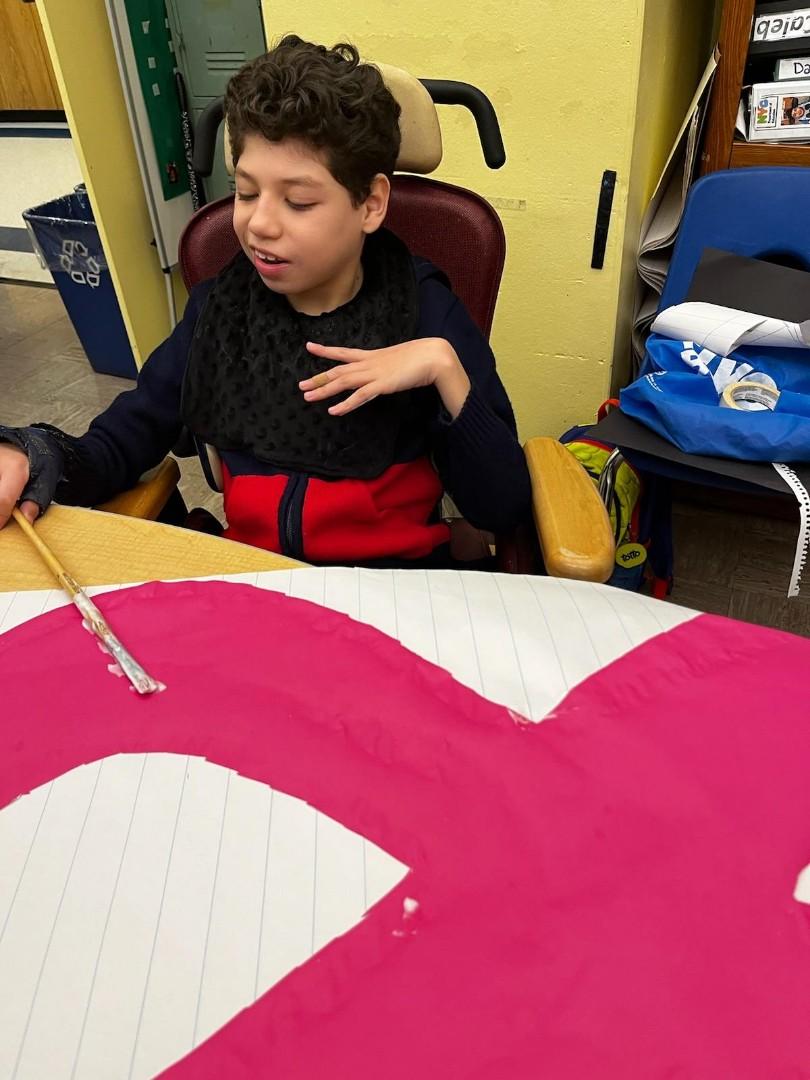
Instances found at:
x=205 y=137
x=442 y=91
x=450 y=92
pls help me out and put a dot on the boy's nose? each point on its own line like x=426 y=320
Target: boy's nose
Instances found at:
x=265 y=223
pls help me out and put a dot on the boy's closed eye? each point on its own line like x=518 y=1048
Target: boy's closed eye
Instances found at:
x=247 y=196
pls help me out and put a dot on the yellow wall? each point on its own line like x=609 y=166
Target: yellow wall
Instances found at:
x=562 y=78
x=564 y=81
x=678 y=37
x=80 y=45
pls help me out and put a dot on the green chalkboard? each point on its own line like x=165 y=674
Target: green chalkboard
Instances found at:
x=152 y=45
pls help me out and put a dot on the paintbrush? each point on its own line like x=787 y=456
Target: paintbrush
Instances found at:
x=93 y=618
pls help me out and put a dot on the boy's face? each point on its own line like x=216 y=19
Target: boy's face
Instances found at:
x=298 y=225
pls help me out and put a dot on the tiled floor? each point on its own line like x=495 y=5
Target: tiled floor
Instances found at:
x=728 y=563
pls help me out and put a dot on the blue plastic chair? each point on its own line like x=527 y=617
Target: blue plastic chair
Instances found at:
x=752 y=212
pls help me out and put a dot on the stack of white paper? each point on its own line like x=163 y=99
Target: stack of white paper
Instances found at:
x=722 y=329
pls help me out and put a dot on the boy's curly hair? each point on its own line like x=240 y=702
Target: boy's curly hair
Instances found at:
x=324 y=97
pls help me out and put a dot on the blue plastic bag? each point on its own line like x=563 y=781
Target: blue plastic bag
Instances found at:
x=679 y=391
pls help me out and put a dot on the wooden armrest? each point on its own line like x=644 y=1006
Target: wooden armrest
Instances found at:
x=149 y=495
x=572 y=523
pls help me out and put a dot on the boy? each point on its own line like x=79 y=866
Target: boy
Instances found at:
x=342 y=383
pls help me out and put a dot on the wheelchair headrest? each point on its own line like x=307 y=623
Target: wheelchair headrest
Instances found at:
x=421 y=148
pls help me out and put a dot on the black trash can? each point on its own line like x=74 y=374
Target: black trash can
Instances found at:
x=66 y=238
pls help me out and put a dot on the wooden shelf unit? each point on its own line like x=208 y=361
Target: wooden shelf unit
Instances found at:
x=768 y=153
x=720 y=148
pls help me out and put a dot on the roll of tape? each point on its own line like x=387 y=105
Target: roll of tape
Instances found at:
x=749 y=397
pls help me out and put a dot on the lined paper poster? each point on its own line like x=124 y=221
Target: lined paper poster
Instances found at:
x=146 y=899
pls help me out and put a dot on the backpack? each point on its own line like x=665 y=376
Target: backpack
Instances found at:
x=639 y=510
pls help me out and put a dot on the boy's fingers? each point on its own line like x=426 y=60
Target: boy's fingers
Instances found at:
x=322 y=394
x=323 y=378
x=332 y=382
x=334 y=352
x=12 y=482
x=6 y=506
x=337 y=386
x=316 y=382
x=360 y=397
x=29 y=510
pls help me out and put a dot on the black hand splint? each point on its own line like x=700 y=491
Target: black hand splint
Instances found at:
x=46 y=460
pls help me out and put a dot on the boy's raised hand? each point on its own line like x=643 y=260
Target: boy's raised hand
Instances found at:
x=372 y=372
x=14 y=475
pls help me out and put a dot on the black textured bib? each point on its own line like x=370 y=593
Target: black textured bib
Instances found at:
x=240 y=390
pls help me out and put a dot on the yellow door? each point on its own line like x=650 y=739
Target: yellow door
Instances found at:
x=26 y=76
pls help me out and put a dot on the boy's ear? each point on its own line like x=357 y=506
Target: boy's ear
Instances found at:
x=375 y=206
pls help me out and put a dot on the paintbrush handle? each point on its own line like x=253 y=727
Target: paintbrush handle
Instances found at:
x=130 y=667
x=45 y=553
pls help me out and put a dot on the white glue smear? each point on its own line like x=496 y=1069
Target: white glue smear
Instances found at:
x=409 y=909
x=802 y=890
x=115 y=668
x=519 y=718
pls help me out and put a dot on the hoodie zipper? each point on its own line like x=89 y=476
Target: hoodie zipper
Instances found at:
x=290 y=515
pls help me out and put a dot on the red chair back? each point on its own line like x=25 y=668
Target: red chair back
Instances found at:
x=454 y=228
x=208 y=242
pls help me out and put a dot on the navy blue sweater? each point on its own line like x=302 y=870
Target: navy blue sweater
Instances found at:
x=477 y=456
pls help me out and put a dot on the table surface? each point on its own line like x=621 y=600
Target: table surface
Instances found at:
x=101 y=549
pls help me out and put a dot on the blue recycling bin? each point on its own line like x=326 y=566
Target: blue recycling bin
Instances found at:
x=66 y=238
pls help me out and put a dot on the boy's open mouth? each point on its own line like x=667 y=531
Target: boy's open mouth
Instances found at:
x=268 y=264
